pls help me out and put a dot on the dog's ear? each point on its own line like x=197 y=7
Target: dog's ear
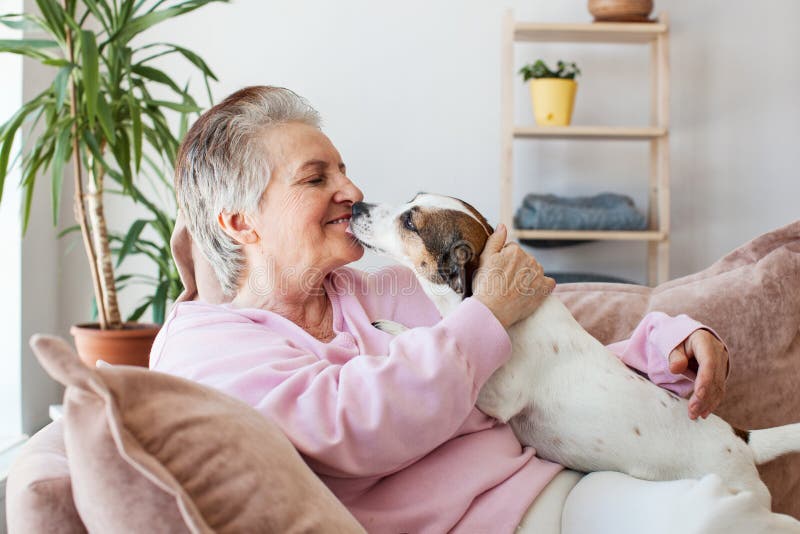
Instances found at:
x=457 y=266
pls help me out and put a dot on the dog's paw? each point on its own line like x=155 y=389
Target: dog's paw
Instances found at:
x=390 y=327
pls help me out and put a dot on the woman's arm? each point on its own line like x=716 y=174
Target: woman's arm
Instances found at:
x=370 y=415
x=661 y=340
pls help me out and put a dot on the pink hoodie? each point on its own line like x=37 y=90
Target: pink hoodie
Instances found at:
x=389 y=422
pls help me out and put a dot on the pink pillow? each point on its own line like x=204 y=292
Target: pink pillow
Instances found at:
x=38 y=490
x=149 y=452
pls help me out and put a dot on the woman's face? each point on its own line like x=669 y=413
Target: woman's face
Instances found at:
x=306 y=207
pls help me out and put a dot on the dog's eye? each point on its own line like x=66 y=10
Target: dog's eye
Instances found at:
x=408 y=223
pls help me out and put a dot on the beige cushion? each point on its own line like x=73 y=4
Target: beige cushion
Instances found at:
x=149 y=452
x=38 y=489
x=751 y=297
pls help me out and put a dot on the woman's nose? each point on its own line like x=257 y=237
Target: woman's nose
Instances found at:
x=348 y=192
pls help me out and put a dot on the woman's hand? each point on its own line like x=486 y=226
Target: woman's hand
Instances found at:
x=712 y=369
x=510 y=282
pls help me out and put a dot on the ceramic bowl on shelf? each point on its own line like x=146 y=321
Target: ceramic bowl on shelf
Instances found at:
x=621 y=10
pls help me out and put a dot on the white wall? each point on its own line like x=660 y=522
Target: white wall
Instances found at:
x=410 y=95
x=10 y=323
x=40 y=262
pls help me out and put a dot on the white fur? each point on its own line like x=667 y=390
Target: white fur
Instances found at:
x=577 y=404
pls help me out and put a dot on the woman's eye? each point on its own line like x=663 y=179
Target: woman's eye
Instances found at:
x=315 y=181
x=408 y=223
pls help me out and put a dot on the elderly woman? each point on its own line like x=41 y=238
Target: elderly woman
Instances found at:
x=389 y=423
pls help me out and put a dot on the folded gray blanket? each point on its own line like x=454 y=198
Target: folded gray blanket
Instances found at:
x=606 y=211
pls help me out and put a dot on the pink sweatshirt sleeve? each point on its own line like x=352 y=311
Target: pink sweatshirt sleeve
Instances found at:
x=369 y=415
x=650 y=345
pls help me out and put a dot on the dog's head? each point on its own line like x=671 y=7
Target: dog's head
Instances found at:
x=439 y=237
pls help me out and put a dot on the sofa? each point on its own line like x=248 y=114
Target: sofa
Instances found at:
x=139 y=451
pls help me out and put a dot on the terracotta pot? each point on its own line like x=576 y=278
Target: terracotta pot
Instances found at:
x=128 y=346
x=621 y=10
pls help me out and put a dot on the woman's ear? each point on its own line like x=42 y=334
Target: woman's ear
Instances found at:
x=238 y=226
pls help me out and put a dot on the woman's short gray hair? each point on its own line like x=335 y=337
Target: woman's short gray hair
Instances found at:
x=222 y=166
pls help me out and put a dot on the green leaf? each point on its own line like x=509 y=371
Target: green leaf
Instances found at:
x=155 y=75
x=26 y=207
x=184 y=125
x=177 y=106
x=19 y=21
x=60 y=85
x=138 y=312
x=151 y=8
x=12 y=47
x=133 y=234
x=106 y=121
x=91 y=5
x=136 y=124
x=27 y=43
x=91 y=73
x=28 y=183
x=69 y=230
x=208 y=92
x=125 y=12
x=57 y=62
x=160 y=302
x=139 y=24
x=123 y=278
x=61 y=154
x=194 y=59
x=8 y=132
x=122 y=153
x=91 y=142
x=54 y=16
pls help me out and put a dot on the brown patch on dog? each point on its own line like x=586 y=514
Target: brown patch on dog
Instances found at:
x=637 y=431
x=419 y=255
x=555 y=348
x=445 y=245
x=557 y=442
x=729 y=450
x=744 y=435
x=481 y=219
x=664 y=404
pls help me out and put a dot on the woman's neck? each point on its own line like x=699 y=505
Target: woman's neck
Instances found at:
x=309 y=308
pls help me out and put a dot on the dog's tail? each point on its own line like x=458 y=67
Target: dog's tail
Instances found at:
x=769 y=443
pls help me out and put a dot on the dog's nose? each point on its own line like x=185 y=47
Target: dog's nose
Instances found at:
x=360 y=208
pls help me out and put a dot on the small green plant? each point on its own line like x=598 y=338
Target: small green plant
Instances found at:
x=566 y=71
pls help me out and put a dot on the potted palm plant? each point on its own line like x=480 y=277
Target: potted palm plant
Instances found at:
x=552 y=91
x=99 y=116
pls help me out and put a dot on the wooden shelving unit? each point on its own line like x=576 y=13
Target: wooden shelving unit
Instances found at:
x=656 y=36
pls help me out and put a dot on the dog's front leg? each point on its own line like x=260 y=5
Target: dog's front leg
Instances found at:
x=390 y=327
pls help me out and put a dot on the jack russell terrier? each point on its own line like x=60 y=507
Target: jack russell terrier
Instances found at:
x=562 y=391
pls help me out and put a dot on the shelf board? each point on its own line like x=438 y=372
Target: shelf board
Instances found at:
x=593 y=32
x=590 y=132
x=609 y=235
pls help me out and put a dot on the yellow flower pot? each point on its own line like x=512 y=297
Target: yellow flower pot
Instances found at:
x=553 y=100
